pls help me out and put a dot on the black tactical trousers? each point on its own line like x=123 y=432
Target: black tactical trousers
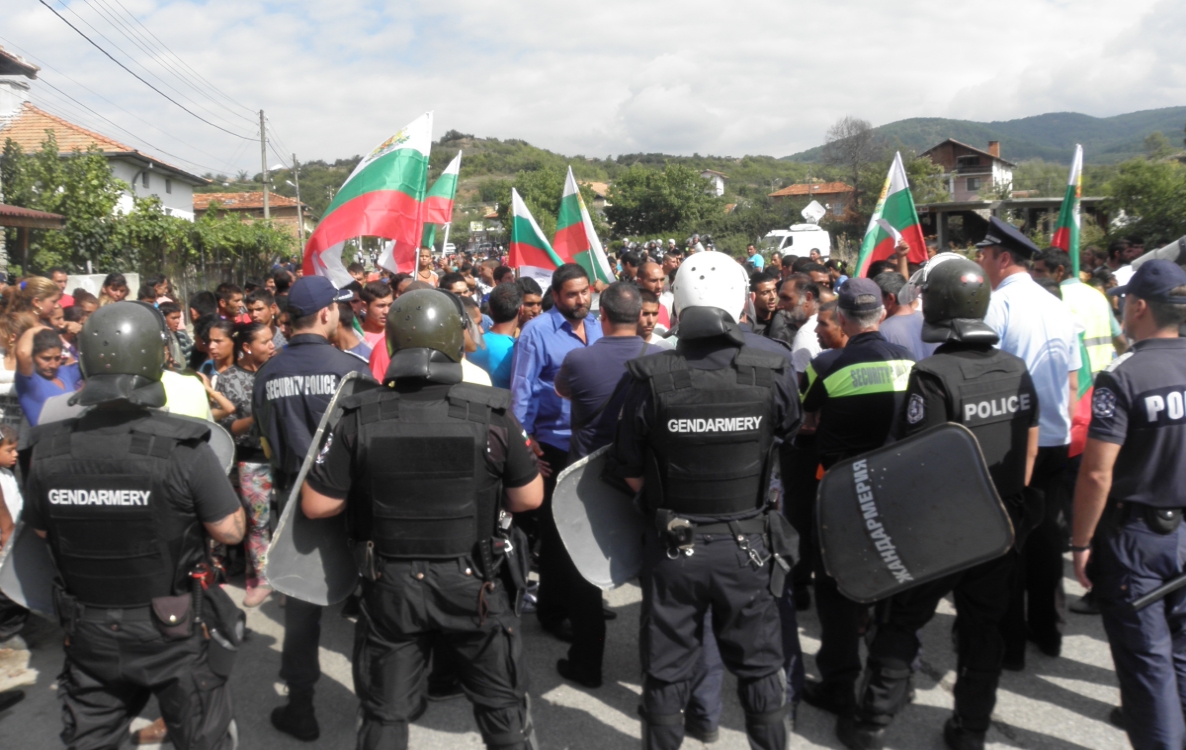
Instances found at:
x=799 y=462
x=840 y=621
x=981 y=600
x=676 y=596
x=116 y=660
x=415 y=605
x=553 y=603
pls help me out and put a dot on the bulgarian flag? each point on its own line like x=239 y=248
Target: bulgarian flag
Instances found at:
x=382 y=197
x=438 y=203
x=530 y=251
x=893 y=219
x=1066 y=232
x=576 y=242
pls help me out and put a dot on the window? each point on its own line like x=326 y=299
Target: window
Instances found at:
x=838 y=208
x=144 y=178
x=973 y=183
x=168 y=185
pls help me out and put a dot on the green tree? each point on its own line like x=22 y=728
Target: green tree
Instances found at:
x=1152 y=195
x=647 y=201
x=1157 y=146
x=541 y=190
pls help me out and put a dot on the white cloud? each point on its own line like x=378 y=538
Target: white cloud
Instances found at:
x=756 y=76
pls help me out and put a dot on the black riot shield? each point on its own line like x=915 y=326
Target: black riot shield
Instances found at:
x=600 y=525
x=311 y=559
x=910 y=512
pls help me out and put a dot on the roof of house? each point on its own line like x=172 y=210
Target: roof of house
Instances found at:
x=812 y=188
x=15 y=216
x=243 y=201
x=15 y=65
x=961 y=144
x=712 y=171
x=28 y=128
x=600 y=189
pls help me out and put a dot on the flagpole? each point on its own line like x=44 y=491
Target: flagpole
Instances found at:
x=446 y=242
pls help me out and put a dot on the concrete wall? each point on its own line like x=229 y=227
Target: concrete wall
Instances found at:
x=94 y=282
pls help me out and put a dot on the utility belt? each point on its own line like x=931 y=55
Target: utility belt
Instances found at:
x=507 y=554
x=1160 y=520
x=778 y=536
x=207 y=607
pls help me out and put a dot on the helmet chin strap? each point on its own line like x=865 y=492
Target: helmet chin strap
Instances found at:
x=425 y=364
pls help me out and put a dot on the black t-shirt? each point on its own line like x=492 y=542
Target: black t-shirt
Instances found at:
x=1139 y=403
x=197 y=484
x=509 y=457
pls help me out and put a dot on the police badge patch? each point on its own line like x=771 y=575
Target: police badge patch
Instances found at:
x=1103 y=403
x=916 y=410
x=329 y=440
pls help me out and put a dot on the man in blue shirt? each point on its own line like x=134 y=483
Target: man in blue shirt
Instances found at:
x=496 y=359
x=539 y=353
x=589 y=378
x=754 y=257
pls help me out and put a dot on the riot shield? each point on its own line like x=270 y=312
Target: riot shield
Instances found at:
x=310 y=559
x=600 y=525
x=910 y=512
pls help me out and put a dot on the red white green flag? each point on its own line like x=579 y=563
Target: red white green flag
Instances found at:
x=576 y=241
x=438 y=202
x=894 y=218
x=530 y=251
x=1066 y=232
x=382 y=197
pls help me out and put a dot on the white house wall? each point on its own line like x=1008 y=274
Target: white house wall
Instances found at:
x=179 y=202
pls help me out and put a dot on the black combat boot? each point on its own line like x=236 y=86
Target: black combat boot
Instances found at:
x=296 y=717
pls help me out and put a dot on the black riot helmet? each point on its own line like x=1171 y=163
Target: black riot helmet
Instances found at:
x=121 y=352
x=955 y=297
x=426 y=336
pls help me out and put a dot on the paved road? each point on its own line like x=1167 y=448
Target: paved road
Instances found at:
x=1057 y=704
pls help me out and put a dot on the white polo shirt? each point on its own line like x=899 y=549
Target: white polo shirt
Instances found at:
x=1038 y=327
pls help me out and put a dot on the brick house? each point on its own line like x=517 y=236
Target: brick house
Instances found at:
x=835 y=196
x=250 y=206
x=969 y=171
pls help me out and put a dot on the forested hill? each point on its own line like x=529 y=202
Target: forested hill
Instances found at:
x=1106 y=140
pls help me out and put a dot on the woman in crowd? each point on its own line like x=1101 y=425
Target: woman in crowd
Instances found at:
x=425 y=272
x=13 y=327
x=253 y=346
x=40 y=373
x=37 y=295
x=220 y=347
x=115 y=289
x=86 y=303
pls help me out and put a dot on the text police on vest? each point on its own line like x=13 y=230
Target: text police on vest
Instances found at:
x=99 y=497
x=726 y=424
x=1171 y=405
x=302 y=385
x=996 y=407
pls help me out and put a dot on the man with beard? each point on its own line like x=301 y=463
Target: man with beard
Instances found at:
x=798 y=298
x=769 y=321
x=546 y=417
x=651 y=278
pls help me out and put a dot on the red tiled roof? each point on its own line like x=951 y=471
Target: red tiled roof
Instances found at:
x=812 y=188
x=980 y=151
x=28 y=128
x=242 y=201
x=15 y=216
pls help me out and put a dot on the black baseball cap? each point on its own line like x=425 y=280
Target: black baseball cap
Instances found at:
x=859 y=295
x=1003 y=234
x=1154 y=281
x=312 y=293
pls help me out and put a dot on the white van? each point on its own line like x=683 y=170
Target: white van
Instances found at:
x=799 y=240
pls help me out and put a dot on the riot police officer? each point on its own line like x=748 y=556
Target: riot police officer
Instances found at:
x=122 y=494
x=1129 y=501
x=292 y=391
x=425 y=468
x=697 y=437
x=965 y=373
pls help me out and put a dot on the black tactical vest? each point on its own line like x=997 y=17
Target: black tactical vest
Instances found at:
x=116 y=538
x=422 y=466
x=711 y=440
x=989 y=397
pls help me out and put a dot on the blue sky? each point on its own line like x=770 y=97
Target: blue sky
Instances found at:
x=608 y=77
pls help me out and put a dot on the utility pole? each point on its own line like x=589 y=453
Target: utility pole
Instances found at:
x=263 y=163
x=296 y=175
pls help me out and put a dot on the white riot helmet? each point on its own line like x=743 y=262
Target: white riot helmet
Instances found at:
x=711 y=279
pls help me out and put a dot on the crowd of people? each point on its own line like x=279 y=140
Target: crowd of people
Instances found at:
x=578 y=363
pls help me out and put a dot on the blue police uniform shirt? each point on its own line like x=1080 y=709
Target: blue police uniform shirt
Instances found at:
x=1139 y=403
x=292 y=391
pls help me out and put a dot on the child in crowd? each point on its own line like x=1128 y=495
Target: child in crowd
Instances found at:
x=12 y=615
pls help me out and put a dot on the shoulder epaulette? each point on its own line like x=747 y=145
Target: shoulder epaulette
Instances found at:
x=1111 y=366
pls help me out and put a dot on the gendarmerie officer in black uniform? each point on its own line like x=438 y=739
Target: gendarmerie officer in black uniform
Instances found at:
x=292 y=391
x=126 y=497
x=424 y=469
x=990 y=392
x=696 y=436
x=1129 y=501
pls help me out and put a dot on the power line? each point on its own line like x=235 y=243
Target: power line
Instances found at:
x=139 y=78
x=133 y=60
x=183 y=63
x=229 y=164
x=155 y=54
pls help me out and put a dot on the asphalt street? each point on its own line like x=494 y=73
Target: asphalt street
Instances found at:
x=1056 y=704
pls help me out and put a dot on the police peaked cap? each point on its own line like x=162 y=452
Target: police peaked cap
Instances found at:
x=1003 y=234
